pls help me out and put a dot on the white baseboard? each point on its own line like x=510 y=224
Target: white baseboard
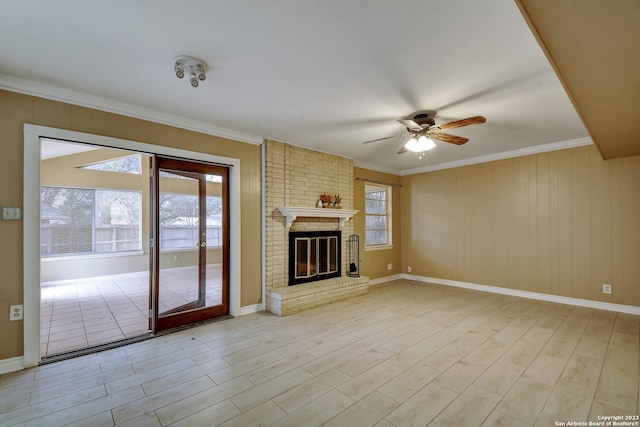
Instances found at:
x=11 y=365
x=248 y=309
x=379 y=280
x=620 y=308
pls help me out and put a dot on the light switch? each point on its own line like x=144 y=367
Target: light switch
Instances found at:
x=11 y=214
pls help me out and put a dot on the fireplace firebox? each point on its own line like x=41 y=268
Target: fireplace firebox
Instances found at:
x=314 y=255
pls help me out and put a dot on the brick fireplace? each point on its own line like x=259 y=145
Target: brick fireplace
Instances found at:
x=296 y=176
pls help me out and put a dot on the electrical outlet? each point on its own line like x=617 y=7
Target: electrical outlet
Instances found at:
x=606 y=288
x=389 y=266
x=16 y=312
x=408 y=269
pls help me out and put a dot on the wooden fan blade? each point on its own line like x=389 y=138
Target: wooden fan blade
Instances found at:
x=464 y=122
x=410 y=124
x=382 y=139
x=448 y=138
x=402 y=150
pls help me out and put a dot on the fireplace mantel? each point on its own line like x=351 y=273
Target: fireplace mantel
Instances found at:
x=292 y=212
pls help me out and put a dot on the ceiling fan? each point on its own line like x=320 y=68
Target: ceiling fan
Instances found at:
x=423 y=129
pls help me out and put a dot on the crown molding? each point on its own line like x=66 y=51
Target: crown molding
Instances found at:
x=536 y=149
x=54 y=93
x=375 y=167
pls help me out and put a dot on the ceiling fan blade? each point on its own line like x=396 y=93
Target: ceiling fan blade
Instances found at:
x=402 y=150
x=410 y=124
x=457 y=140
x=464 y=122
x=382 y=139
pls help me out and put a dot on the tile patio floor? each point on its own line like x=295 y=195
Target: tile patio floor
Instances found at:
x=82 y=313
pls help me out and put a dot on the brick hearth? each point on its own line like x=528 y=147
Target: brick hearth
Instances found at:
x=292 y=299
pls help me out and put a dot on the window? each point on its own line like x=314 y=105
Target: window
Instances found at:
x=85 y=221
x=129 y=164
x=179 y=228
x=208 y=178
x=377 y=200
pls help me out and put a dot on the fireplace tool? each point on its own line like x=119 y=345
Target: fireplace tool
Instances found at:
x=354 y=255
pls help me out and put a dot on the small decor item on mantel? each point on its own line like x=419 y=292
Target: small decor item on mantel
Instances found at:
x=329 y=201
x=325 y=199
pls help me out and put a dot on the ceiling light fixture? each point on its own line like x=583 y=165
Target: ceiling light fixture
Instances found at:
x=197 y=69
x=419 y=143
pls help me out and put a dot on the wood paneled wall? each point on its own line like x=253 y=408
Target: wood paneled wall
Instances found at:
x=560 y=223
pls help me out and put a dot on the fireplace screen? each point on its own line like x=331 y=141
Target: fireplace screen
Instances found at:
x=313 y=255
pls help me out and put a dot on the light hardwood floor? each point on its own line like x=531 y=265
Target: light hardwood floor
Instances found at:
x=406 y=354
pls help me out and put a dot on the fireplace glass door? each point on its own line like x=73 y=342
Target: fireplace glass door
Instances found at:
x=307 y=253
x=313 y=256
x=327 y=255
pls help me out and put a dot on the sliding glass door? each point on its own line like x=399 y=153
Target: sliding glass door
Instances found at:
x=190 y=268
x=93 y=229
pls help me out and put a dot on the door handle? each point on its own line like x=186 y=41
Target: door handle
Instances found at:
x=203 y=244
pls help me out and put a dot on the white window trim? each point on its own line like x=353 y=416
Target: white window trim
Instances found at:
x=75 y=257
x=389 y=190
x=377 y=247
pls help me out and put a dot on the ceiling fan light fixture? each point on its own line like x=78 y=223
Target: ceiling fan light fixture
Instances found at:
x=419 y=144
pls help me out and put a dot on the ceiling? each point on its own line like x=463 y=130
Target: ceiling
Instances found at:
x=595 y=51
x=51 y=148
x=326 y=75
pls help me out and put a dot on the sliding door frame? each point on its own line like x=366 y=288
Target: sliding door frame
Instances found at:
x=31 y=219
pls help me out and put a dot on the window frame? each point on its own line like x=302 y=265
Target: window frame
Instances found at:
x=388 y=215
